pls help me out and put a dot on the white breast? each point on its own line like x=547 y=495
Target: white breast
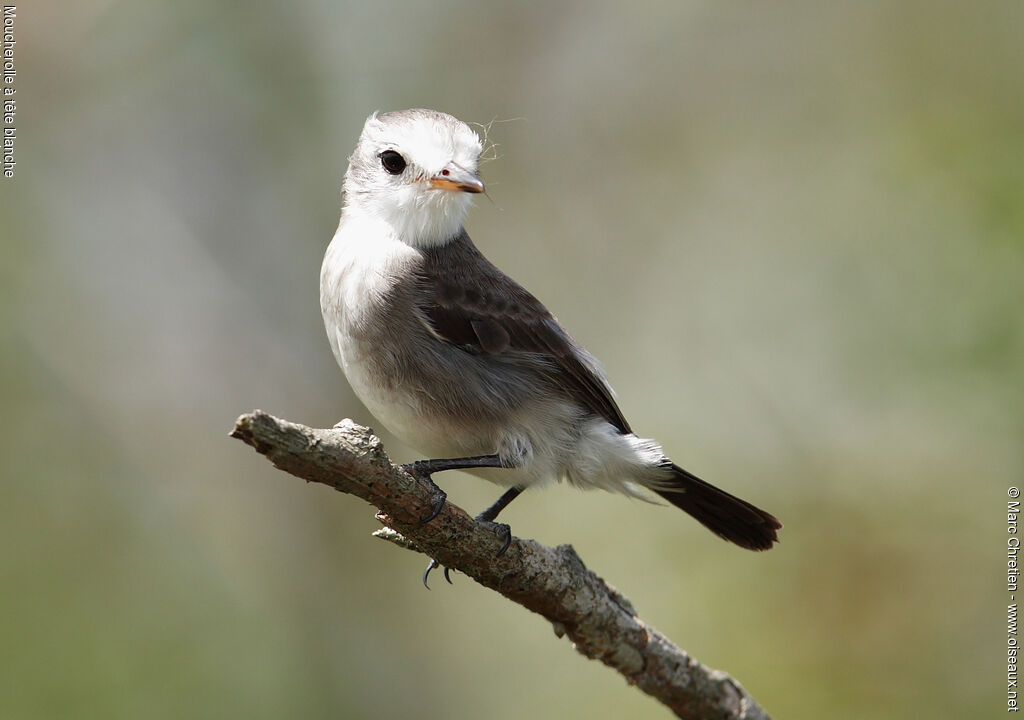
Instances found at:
x=361 y=266
x=358 y=269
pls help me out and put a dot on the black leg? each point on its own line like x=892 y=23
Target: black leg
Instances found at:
x=424 y=469
x=501 y=503
x=490 y=513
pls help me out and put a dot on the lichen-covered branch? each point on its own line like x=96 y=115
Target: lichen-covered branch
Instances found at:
x=552 y=582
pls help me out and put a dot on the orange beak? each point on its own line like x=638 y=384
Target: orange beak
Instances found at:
x=457 y=180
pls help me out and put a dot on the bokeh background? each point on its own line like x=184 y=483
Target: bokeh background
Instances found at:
x=793 y=232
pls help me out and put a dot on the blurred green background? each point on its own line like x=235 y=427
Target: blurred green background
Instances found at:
x=793 y=233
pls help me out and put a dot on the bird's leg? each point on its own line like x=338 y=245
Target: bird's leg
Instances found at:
x=424 y=469
x=500 y=504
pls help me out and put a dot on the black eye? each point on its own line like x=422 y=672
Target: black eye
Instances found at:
x=393 y=162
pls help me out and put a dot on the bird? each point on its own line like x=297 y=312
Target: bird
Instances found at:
x=460 y=361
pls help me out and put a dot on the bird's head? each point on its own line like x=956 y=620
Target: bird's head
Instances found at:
x=415 y=170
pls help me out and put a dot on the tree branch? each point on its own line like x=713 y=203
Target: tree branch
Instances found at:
x=552 y=582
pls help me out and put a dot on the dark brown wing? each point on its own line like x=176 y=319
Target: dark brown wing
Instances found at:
x=470 y=303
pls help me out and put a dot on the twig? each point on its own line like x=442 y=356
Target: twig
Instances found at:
x=552 y=582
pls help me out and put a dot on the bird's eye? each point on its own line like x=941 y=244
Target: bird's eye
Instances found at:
x=392 y=161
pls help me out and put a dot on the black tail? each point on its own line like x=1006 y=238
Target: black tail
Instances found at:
x=723 y=514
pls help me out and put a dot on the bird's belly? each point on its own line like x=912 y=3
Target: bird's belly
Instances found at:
x=403 y=410
x=538 y=438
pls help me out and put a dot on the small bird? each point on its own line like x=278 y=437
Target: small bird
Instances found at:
x=460 y=361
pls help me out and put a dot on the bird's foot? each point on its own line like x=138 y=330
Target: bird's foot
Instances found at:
x=433 y=565
x=438 y=496
x=503 y=531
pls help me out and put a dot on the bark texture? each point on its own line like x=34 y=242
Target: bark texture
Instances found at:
x=552 y=582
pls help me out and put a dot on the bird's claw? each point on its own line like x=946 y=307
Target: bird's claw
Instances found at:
x=434 y=564
x=437 y=495
x=503 y=531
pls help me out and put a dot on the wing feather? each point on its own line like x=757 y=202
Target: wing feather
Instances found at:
x=470 y=303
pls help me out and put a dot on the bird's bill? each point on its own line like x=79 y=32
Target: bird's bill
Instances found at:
x=457 y=180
